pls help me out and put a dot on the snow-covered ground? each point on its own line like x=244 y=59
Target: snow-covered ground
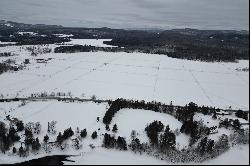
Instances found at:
x=113 y=157
x=236 y=156
x=139 y=119
x=92 y=42
x=111 y=76
x=84 y=115
x=7 y=42
x=134 y=76
x=239 y=155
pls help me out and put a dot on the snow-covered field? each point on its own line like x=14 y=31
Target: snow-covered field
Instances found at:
x=138 y=76
x=115 y=75
x=92 y=42
x=84 y=115
x=138 y=120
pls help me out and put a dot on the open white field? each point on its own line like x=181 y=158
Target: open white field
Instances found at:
x=136 y=119
x=133 y=76
x=84 y=115
x=115 y=75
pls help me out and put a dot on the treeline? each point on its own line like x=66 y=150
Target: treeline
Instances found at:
x=10 y=135
x=162 y=144
x=189 y=44
x=182 y=113
x=6 y=54
x=4 y=67
x=74 y=49
x=29 y=39
x=185 y=114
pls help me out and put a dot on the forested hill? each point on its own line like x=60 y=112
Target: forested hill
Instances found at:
x=193 y=44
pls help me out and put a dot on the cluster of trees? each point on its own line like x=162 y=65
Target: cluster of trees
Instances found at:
x=160 y=136
x=245 y=69
x=7 y=137
x=234 y=123
x=30 y=141
x=205 y=146
x=74 y=49
x=5 y=54
x=182 y=113
x=40 y=49
x=195 y=129
x=28 y=39
x=4 y=67
x=111 y=142
x=242 y=114
x=165 y=148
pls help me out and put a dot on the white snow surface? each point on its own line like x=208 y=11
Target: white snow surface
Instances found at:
x=136 y=119
x=113 y=157
x=111 y=76
x=27 y=33
x=238 y=155
x=133 y=76
x=92 y=42
x=84 y=115
x=7 y=42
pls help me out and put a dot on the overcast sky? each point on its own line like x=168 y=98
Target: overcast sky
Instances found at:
x=165 y=14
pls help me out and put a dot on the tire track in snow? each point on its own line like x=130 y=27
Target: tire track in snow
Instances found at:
x=40 y=110
x=90 y=71
x=157 y=77
x=236 y=74
x=200 y=86
x=230 y=101
x=34 y=84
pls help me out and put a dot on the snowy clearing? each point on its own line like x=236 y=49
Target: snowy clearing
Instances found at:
x=92 y=42
x=133 y=76
x=119 y=75
x=139 y=119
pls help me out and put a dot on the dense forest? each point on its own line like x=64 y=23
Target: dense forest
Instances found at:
x=192 y=44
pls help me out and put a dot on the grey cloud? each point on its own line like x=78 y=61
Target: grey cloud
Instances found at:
x=202 y=14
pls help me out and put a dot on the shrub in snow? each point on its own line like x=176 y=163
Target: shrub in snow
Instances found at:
x=239 y=137
x=20 y=126
x=93 y=97
x=109 y=141
x=107 y=128
x=36 y=145
x=153 y=130
x=22 y=152
x=52 y=127
x=94 y=135
x=37 y=128
x=121 y=143
x=167 y=140
x=115 y=128
x=136 y=145
x=30 y=126
x=67 y=133
x=242 y=114
x=14 y=150
x=83 y=133
x=3 y=129
x=76 y=144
